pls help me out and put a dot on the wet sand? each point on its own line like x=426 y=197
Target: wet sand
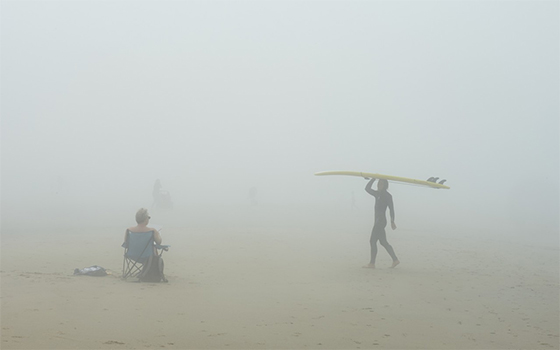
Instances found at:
x=264 y=288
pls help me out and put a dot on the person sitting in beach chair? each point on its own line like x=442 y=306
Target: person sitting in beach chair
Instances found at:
x=142 y=251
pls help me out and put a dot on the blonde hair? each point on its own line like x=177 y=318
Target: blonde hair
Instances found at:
x=142 y=215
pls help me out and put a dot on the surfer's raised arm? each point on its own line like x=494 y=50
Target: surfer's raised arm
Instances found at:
x=371 y=190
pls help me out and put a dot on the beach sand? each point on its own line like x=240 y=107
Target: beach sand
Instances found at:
x=260 y=288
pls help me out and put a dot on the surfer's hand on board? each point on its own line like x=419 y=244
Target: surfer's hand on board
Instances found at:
x=393 y=226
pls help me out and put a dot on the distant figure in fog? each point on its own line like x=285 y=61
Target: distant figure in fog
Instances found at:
x=383 y=199
x=155 y=191
x=162 y=199
x=353 y=202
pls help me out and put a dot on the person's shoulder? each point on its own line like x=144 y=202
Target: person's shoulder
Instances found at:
x=137 y=229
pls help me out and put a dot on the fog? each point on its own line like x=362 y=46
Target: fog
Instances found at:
x=234 y=106
x=100 y=99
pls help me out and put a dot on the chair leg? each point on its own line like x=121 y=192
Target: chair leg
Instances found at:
x=131 y=268
x=123 y=269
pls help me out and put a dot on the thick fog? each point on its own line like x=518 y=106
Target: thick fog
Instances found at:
x=214 y=99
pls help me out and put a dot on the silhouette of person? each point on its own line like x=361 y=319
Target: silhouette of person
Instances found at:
x=383 y=200
x=156 y=192
x=353 y=199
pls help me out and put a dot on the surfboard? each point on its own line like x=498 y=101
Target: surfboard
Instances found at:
x=386 y=177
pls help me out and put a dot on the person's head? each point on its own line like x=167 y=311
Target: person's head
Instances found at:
x=142 y=216
x=382 y=185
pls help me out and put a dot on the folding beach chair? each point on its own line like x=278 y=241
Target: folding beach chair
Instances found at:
x=139 y=253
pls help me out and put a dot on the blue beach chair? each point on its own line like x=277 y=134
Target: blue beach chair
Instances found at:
x=139 y=254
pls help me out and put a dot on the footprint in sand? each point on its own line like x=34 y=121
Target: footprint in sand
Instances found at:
x=113 y=342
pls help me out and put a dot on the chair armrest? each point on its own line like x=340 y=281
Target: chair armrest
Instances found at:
x=164 y=247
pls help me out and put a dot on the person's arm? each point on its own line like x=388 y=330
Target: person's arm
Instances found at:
x=371 y=190
x=157 y=237
x=125 y=236
x=392 y=213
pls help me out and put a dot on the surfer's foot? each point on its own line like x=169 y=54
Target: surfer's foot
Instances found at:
x=395 y=263
x=369 y=266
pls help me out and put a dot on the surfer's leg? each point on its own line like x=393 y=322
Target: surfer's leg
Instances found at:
x=373 y=244
x=390 y=250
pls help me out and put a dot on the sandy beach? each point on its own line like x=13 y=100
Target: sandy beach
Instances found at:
x=263 y=288
x=212 y=119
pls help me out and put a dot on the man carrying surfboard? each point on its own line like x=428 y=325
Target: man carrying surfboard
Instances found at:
x=383 y=199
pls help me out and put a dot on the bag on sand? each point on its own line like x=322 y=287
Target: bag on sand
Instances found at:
x=91 y=271
x=153 y=270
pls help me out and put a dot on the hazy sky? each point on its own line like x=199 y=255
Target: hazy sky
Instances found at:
x=100 y=98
